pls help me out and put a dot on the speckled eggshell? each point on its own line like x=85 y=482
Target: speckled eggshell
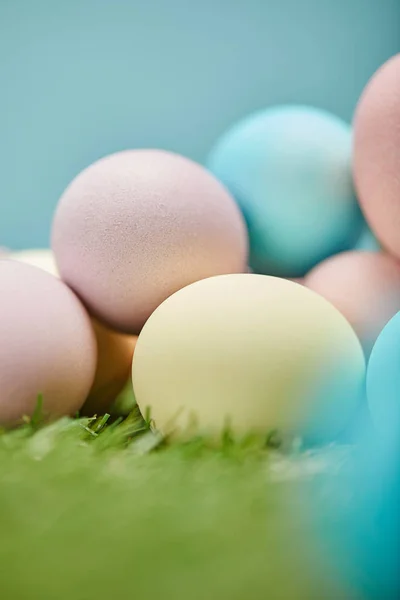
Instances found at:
x=364 y=286
x=251 y=352
x=377 y=153
x=289 y=168
x=114 y=349
x=47 y=345
x=137 y=226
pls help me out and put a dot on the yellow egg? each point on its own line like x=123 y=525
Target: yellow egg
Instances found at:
x=114 y=350
x=250 y=352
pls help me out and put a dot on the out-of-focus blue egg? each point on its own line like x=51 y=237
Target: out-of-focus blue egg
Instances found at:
x=289 y=169
x=367 y=241
x=383 y=382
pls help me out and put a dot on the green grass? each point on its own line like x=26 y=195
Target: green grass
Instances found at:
x=97 y=509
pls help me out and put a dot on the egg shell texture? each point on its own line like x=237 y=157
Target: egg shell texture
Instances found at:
x=137 y=226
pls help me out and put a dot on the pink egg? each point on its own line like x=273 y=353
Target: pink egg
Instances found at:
x=114 y=349
x=47 y=344
x=136 y=226
x=377 y=153
x=364 y=286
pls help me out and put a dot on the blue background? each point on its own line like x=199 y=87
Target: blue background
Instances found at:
x=82 y=78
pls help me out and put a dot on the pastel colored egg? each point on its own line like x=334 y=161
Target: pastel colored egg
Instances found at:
x=289 y=168
x=115 y=353
x=367 y=241
x=377 y=153
x=137 y=226
x=364 y=286
x=114 y=349
x=47 y=345
x=383 y=382
x=250 y=352
x=42 y=258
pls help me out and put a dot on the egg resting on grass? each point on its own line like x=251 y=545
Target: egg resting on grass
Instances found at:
x=364 y=286
x=114 y=349
x=289 y=168
x=47 y=345
x=250 y=352
x=137 y=226
x=377 y=153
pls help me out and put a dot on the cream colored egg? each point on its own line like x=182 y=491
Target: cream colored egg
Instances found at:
x=38 y=257
x=114 y=349
x=251 y=352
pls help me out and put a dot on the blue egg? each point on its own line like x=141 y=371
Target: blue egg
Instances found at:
x=367 y=240
x=383 y=382
x=289 y=169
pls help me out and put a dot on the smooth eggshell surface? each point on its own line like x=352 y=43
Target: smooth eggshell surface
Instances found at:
x=137 y=226
x=250 y=352
x=47 y=345
x=115 y=352
x=114 y=349
x=289 y=168
x=377 y=153
x=42 y=258
x=383 y=382
x=364 y=286
x=367 y=241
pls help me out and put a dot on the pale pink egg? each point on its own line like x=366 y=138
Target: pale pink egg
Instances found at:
x=47 y=344
x=377 y=153
x=364 y=286
x=114 y=349
x=136 y=226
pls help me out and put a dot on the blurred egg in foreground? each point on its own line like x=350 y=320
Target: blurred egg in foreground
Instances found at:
x=251 y=352
x=114 y=349
x=377 y=153
x=383 y=381
x=47 y=345
x=289 y=168
x=363 y=286
x=367 y=241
